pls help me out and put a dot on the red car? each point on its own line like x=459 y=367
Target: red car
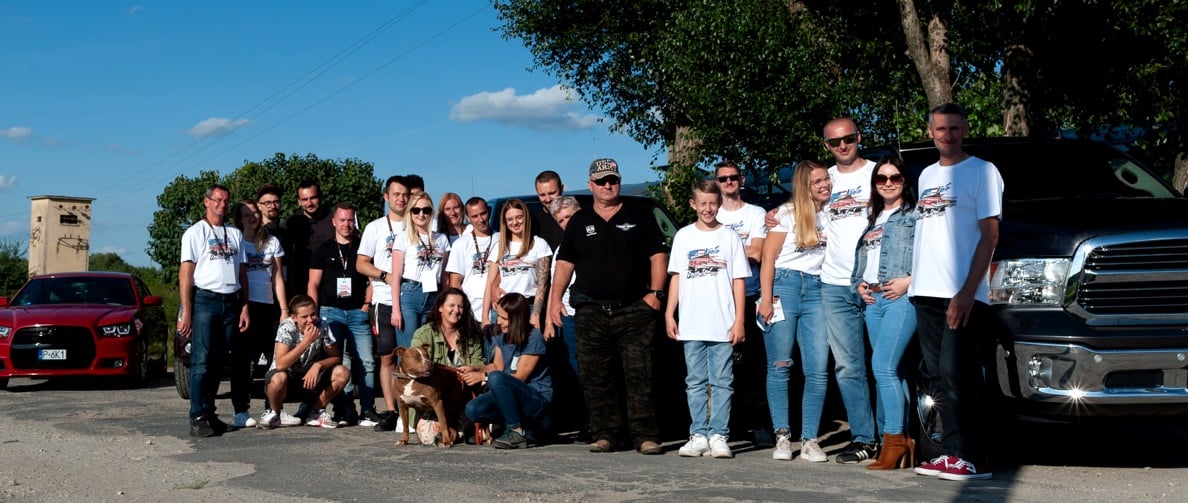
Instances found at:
x=82 y=324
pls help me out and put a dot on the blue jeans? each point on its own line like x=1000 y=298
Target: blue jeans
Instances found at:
x=414 y=309
x=214 y=319
x=508 y=401
x=361 y=348
x=710 y=370
x=803 y=325
x=569 y=336
x=891 y=325
x=843 y=317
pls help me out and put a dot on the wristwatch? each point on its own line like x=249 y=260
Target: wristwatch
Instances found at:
x=383 y=277
x=658 y=293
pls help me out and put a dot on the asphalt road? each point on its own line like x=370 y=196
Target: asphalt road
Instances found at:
x=81 y=441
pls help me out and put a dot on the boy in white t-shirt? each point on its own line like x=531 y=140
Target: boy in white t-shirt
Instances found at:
x=708 y=265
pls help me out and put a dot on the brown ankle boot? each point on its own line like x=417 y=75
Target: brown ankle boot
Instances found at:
x=896 y=453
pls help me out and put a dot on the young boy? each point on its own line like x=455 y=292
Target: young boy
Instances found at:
x=708 y=264
x=306 y=364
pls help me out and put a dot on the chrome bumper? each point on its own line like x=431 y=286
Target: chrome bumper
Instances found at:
x=1066 y=373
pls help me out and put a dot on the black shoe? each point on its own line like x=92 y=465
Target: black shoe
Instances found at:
x=763 y=438
x=387 y=422
x=202 y=428
x=370 y=418
x=857 y=452
x=217 y=424
x=510 y=439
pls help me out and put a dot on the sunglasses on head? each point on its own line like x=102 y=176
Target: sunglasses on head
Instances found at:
x=423 y=210
x=601 y=182
x=729 y=178
x=848 y=139
x=896 y=179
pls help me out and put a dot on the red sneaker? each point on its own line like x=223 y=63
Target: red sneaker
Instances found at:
x=961 y=469
x=934 y=467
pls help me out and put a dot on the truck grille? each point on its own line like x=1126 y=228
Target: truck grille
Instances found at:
x=77 y=341
x=1137 y=278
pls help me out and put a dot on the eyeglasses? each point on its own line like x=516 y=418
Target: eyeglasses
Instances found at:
x=848 y=139
x=729 y=178
x=896 y=179
x=601 y=182
x=269 y=203
x=820 y=182
x=421 y=210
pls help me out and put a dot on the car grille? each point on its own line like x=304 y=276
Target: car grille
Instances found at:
x=77 y=341
x=1138 y=278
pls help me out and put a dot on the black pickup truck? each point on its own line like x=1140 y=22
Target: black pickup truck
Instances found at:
x=1089 y=284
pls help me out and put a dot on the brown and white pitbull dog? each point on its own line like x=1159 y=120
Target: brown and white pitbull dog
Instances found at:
x=425 y=386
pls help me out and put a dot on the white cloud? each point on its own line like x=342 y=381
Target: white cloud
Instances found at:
x=16 y=132
x=6 y=182
x=134 y=10
x=114 y=249
x=216 y=126
x=548 y=109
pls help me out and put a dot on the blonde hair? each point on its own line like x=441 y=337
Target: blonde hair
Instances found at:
x=410 y=227
x=505 y=237
x=803 y=207
x=260 y=239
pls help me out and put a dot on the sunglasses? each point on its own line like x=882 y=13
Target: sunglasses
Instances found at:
x=422 y=210
x=848 y=139
x=729 y=178
x=601 y=182
x=896 y=179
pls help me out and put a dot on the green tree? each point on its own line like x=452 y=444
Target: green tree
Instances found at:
x=14 y=267
x=346 y=180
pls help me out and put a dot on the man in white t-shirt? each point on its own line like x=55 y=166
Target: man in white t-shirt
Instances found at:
x=470 y=254
x=956 y=231
x=845 y=221
x=750 y=373
x=374 y=260
x=212 y=283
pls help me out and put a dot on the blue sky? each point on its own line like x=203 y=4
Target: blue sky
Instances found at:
x=113 y=100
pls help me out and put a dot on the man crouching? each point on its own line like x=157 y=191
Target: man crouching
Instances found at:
x=307 y=365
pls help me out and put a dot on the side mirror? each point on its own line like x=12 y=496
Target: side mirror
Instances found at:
x=3 y=301
x=152 y=300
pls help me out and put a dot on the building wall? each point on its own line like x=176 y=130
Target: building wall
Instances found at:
x=59 y=234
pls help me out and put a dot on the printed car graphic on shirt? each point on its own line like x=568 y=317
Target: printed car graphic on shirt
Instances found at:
x=873 y=237
x=844 y=204
x=704 y=262
x=511 y=266
x=933 y=201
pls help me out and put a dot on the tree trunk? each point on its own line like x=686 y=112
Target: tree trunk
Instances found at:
x=1180 y=173
x=930 y=55
x=1018 y=75
x=683 y=150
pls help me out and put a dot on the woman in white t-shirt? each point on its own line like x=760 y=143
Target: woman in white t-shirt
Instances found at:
x=522 y=262
x=790 y=274
x=449 y=216
x=882 y=275
x=417 y=258
x=266 y=293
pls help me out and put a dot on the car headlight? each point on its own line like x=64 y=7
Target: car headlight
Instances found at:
x=4 y=331
x=1038 y=281
x=119 y=330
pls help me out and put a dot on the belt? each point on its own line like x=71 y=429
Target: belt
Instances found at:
x=211 y=293
x=874 y=287
x=608 y=306
x=412 y=282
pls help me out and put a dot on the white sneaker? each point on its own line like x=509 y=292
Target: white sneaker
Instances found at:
x=322 y=419
x=811 y=451
x=718 y=447
x=287 y=420
x=783 y=449
x=268 y=420
x=695 y=447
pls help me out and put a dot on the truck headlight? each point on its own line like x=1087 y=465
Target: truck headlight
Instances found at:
x=1039 y=281
x=120 y=330
x=4 y=331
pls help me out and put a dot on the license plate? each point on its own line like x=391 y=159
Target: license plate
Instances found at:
x=52 y=354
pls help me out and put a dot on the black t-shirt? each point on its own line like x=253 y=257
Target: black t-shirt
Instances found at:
x=545 y=226
x=305 y=234
x=338 y=261
x=612 y=260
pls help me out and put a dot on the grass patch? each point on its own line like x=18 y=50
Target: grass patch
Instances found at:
x=194 y=485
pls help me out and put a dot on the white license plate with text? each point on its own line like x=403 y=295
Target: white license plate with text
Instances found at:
x=52 y=354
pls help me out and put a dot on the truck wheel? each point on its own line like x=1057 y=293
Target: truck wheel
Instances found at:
x=181 y=378
x=3 y=383
x=926 y=422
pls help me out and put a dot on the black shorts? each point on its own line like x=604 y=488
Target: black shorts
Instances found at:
x=385 y=332
x=296 y=390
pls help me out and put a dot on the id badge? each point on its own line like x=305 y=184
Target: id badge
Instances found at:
x=228 y=272
x=428 y=281
x=343 y=287
x=515 y=364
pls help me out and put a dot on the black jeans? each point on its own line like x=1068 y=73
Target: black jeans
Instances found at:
x=614 y=351
x=951 y=357
x=246 y=348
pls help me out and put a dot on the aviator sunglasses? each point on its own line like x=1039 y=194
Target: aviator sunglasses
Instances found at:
x=896 y=179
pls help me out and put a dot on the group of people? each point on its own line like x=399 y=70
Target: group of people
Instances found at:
x=853 y=256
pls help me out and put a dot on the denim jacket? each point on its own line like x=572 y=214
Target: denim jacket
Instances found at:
x=895 y=251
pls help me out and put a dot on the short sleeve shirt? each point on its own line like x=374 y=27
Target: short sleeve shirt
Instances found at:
x=748 y=223
x=217 y=254
x=541 y=378
x=376 y=243
x=806 y=260
x=259 y=269
x=844 y=220
x=518 y=274
x=470 y=257
x=288 y=334
x=612 y=259
x=337 y=262
x=706 y=264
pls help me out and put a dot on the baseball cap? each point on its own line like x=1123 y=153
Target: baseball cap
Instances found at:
x=602 y=168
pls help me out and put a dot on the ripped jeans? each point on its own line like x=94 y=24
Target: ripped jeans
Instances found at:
x=803 y=325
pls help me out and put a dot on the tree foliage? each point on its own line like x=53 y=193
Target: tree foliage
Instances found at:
x=347 y=180
x=14 y=267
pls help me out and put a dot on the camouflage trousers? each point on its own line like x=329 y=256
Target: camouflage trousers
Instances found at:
x=614 y=353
